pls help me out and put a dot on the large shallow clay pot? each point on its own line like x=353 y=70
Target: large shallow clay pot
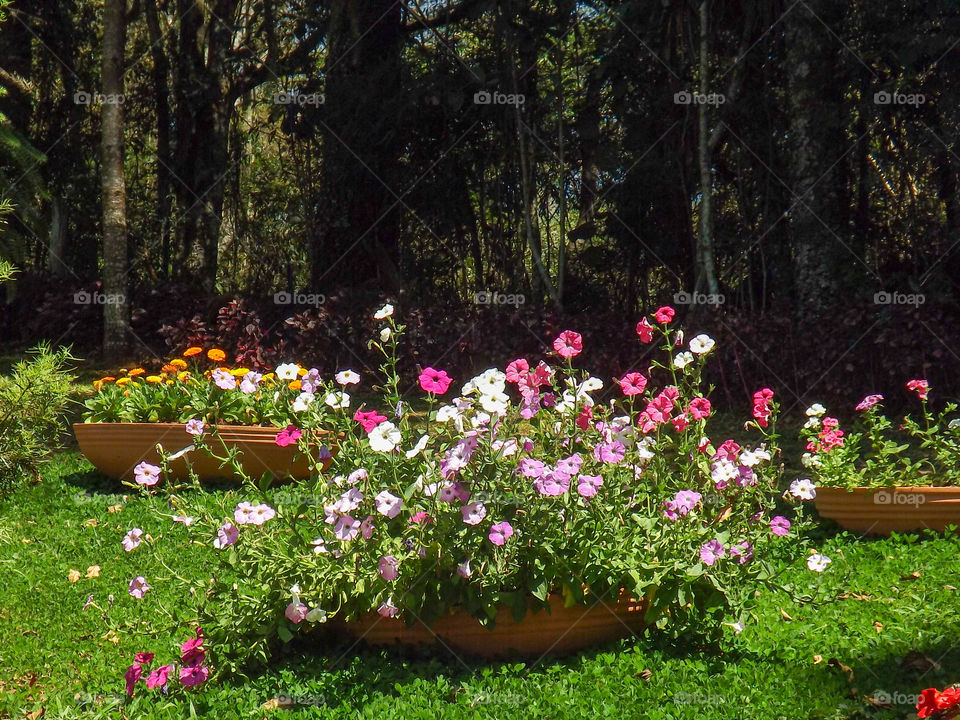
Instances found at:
x=562 y=630
x=881 y=511
x=116 y=448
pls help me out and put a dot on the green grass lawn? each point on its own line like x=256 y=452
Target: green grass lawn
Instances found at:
x=891 y=632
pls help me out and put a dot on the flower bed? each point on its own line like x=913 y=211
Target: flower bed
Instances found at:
x=533 y=482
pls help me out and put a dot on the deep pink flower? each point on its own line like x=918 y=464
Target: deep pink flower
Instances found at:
x=646 y=423
x=143 y=657
x=436 y=382
x=389 y=568
x=570 y=465
x=288 y=436
x=633 y=383
x=191 y=651
x=680 y=422
x=780 y=526
x=369 y=419
x=699 y=408
x=517 y=370
x=194 y=675
x=568 y=344
x=132 y=675
x=665 y=314
x=500 y=533
x=296 y=612
x=868 y=402
x=421 y=518
x=761 y=406
x=158 y=678
x=920 y=387
x=645 y=331
x=729 y=450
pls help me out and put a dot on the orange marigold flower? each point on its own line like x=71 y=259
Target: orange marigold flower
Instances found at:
x=97 y=384
x=178 y=364
x=136 y=371
x=153 y=379
x=216 y=355
x=123 y=381
x=294 y=385
x=169 y=367
x=107 y=379
x=191 y=351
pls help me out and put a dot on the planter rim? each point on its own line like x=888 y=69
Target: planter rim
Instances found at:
x=881 y=488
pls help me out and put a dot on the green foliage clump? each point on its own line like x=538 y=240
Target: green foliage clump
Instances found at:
x=32 y=402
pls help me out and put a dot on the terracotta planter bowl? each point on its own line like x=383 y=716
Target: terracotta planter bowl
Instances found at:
x=562 y=630
x=116 y=448
x=881 y=511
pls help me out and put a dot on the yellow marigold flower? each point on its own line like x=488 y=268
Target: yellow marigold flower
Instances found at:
x=153 y=379
x=178 y=364
x=269 y=376
x=136 y=371
x=97 y=384
x=191 y=351
x=123 y=381
x=182 y=375
x=301 y=371
x=294 y=385
x=239 y=372
x=216 y=355
x=169 y=382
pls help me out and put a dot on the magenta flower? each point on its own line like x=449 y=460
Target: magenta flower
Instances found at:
x=500 y=533
x=226 y=536
x=132 y=675
x=132 y=539
x=517 y=370
x=609 y=452
x=665 y=314
x=670 y=510
x=158 y=678
x=369 y=419
x=143 y=657
x=588 y=485
x=645 y=331
x=388 y=504
x=743 y=551
x=552 y=484
x=296 y=612
x=699 y=408
x=194 y=427
x=435 y=382
x=193 y=676
x=146 y=474
x=711 y=552
x=288 y=436
x=473 y=513
x=138 y=587
x=780 y=525
x=568 y=344
x=868 y=402
x=389 y=568
x=633 y=383
x=421 y=518
x=191 y=651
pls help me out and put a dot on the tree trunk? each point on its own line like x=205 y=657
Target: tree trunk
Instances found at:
x=706 y=276
x=112 y=183
x=162 y=104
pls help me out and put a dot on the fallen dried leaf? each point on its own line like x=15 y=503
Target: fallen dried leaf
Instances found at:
x=949 y=587
x=915 y=575
x=817 y=659
x=93 y=571
x=277 y=703
x=833 y=662
x=916 y=660
x=115 y=508
x=92 y=522
x=645 y=674
x=73 y=575
x=878 y=626
x=784 y=615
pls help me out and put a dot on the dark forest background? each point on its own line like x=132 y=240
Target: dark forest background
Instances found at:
x=784 y=172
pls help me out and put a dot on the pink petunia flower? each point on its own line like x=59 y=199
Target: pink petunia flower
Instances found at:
x=435 y=382
x=288 y=436
x=868 y=402
x=194 y=427
x=588 y=485
x=743 y=551
x=780 y=526
x=568 y=344
x=664 y=314
x=388 y=504
x=158 y=678
x=227 y=535
x=223 y=379
x=531 y=468
x=500 y=533
x=369 y=419
x=346 y=528
x=143 y=657
x=645 y=331
x=517 y=370
x=711 y=552
x=699 y=408
x=146 y=474
x=473 y=513
x=132 y=539
x=609 y=452
x=138 y=587
x=388 y=610
x=389 y=568
x=920 y=387
x=421 y=518
x=193 y=676
x=191 y=651
x=296 y=612
x=132 y=675
x=633 y=383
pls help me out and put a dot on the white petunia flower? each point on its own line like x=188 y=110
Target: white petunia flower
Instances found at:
x=682 y=360
x=385 y=335
x=384 y=312
x=418 y=448
x=495 y=403
x=287 y=371
x=803 y=488
x=347 y=377
x=816 y=410
x=302 y=402
x=384 y=437
x=818 y=563
x=337 y=400
x=702 y=344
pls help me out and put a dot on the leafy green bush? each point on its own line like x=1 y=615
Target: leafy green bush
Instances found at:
x=32 y=400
